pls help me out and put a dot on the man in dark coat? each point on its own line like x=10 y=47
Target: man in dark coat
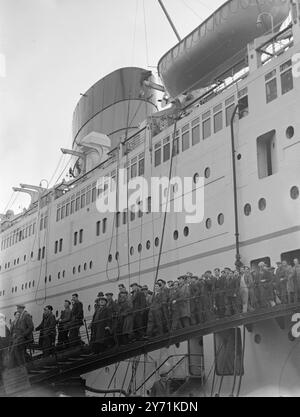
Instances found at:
x=265 y=282
x=195 y=301
x=112 y=306
x=125 y=319
x=76 y=321
x=139 y=305
x=162 y=387
x=63 y=325
x=47 y=330
x=220 y=288
x=101 y=327
x=155 y=318
x=22 y=335
x=4 y=343
x=182 y=303
x=232 y=292
x=165 y=295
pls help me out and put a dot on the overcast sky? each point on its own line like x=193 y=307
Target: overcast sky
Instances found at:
x=53 y=50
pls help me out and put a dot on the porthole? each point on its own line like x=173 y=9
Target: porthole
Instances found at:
x=247 y=209
x=156 y=242
x=12 y=290
x=208 y=223
x=110 y=257
x=91 y=264
x=18 y=260
x=257 y=339
x=63 y=274
x=148 y=244
x=294 y=193
x=31 y=255
x=26 y=283
x=45 y=282
x=85 y=266
x=49 y=278
x=33 y=283
x=74 y=270
x=140 y=248
x=117 y=256
x=221 y=219
x=89 y=308
x=131 y=251
x=175 y=235
x=196 y=178
x=79 y=268
x=186 y=231
x=58 y=275
x=239 y=157
x=207 y=172
x=22 y=286
x=290 y=131
x=16 y=289
x=29 y=285
x=262 y=204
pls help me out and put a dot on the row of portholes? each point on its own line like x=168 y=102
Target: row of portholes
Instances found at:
x=207 y=174
x=16 y=261
x=262 y=203
x=85 y=267
x=27 y=285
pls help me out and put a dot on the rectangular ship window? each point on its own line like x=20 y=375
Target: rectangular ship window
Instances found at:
x=286 y=76
x=218 y=121
x=206 y=129
x=271 y=86
x=229 y=112
x=195 y=135
x=167 y=149
x=185 y=141
x=157 y=154
x=266 y=154
x=290 y=256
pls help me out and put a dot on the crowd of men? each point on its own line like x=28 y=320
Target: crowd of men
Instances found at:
x=139 y=313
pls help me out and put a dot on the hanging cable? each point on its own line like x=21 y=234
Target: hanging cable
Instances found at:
x=146 y=36
x=167 y=203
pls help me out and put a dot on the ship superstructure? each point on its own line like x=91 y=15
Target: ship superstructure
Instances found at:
x=241 y=112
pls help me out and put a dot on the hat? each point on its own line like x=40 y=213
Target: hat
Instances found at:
x=134 y=284
x=20 y=306
x=170 y=281
x=100 y=294
x=189 y=274
x=162 y=281
x=121 y=285
x=278 y=262
x=145 y=287
x=181 y=277
x=109 y=293
x=261 y=264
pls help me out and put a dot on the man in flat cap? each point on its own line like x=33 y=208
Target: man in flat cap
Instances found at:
x=22 y=336
x=112 y=307
x=139 y=306
x=101 y=327
x=47 y=330
x=165 y=297
x=76 y=320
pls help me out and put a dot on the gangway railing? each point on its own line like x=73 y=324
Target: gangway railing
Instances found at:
x=81 y=359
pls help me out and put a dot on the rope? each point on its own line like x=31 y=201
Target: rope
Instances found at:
x=242 y=362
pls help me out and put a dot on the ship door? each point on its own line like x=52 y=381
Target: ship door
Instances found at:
x=266 y=154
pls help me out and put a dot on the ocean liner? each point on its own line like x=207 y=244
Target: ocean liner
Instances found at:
x=231 y=93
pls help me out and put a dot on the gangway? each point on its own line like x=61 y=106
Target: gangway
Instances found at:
x=75 y=362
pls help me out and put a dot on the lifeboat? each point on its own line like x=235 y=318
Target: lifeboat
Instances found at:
x=219 y=43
